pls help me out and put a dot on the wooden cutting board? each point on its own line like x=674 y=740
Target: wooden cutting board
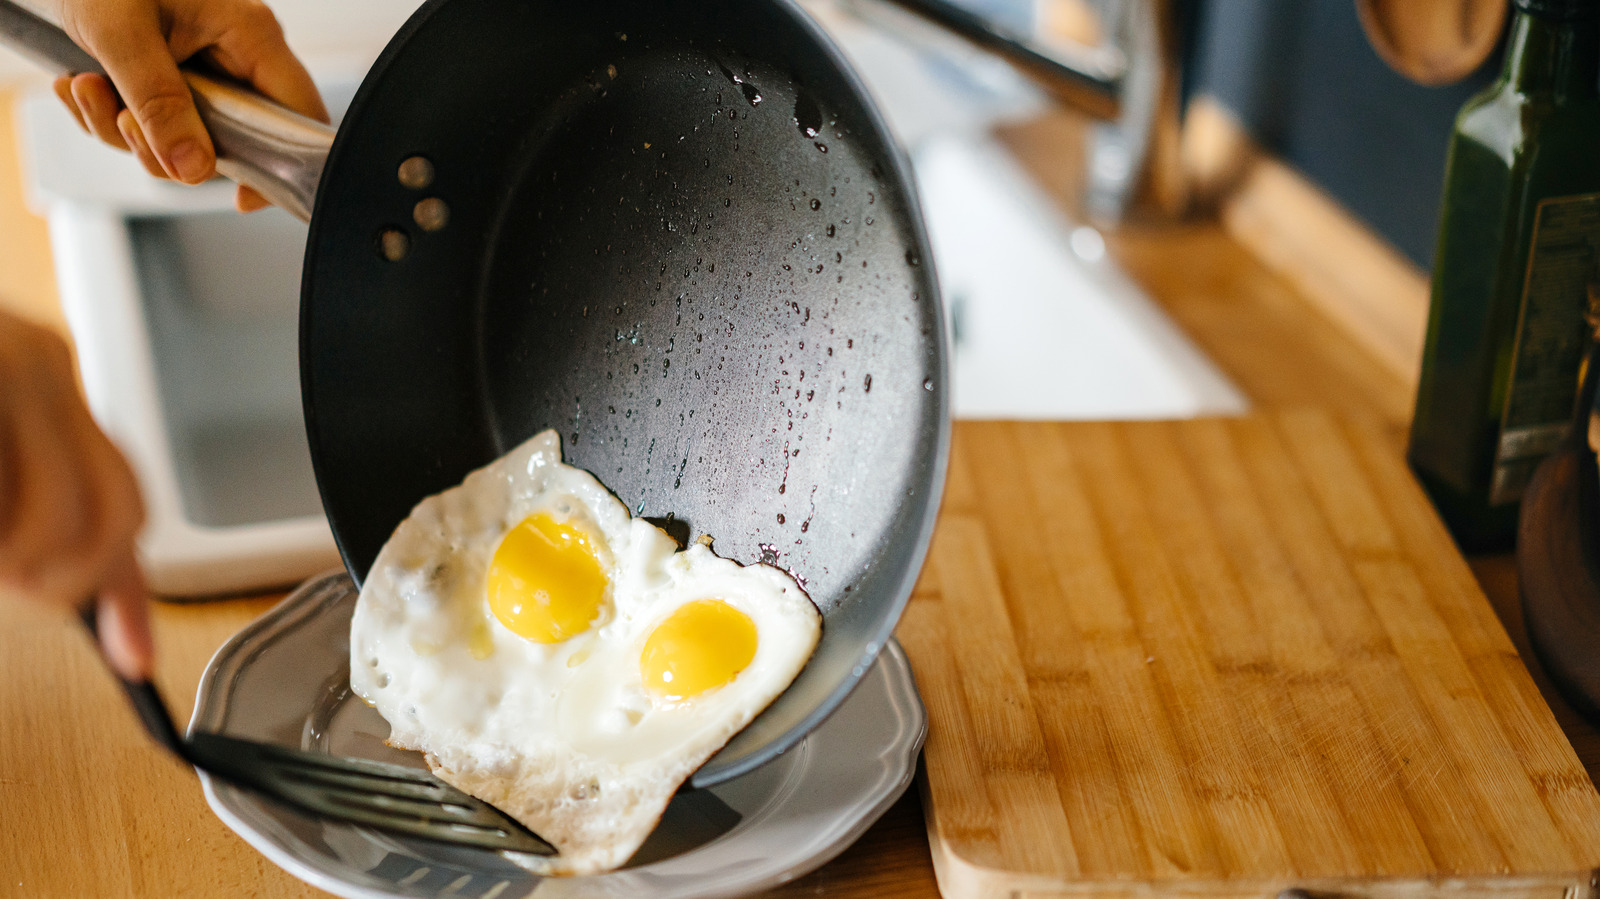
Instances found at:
x=1225 y=657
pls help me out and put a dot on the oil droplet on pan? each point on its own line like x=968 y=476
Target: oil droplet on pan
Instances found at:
x=807 y=116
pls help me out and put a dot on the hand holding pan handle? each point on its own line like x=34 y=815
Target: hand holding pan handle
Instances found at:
x=259 y=144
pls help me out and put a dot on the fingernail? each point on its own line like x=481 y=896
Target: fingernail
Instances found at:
x=84 y=102
x=63 y=88
x=126 y=647
x=190 y=162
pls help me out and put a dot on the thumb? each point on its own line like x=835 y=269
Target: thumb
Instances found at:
x=123 y=618
x=135 y=55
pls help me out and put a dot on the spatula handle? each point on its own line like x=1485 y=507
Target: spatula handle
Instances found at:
x=142 y=694
x=259 y=143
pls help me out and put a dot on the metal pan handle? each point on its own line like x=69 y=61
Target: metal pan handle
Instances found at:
x=1090 y=83
x=259 y=143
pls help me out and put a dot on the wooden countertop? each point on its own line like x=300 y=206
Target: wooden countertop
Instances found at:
x=90 y=807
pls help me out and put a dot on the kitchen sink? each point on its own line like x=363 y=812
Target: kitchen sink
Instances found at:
x=1043 y=324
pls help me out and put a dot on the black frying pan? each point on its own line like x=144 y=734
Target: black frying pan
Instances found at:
x=677 y=232
x=704 y=271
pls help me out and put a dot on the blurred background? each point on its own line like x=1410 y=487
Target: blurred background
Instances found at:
x=184 y=314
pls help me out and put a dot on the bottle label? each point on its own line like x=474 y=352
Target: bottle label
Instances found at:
x=1551 y=339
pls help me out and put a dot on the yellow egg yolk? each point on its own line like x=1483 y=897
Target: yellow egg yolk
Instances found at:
x=700 y=647
x=545 y=582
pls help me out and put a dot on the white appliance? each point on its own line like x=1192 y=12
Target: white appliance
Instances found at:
x=185 y=316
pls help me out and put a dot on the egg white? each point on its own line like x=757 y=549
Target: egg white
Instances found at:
x=564 y=736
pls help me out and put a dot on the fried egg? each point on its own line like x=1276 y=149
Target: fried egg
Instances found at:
x=562 y=660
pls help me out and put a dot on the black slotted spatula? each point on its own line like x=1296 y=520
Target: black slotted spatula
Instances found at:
x=385 y=797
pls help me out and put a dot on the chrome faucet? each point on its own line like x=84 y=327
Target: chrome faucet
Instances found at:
x=1129 y=84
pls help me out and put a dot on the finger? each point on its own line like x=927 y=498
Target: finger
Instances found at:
x=55 y=556
x=10 y=485
x=129 y=126
x=253 y=49
x=63 y=88
x=117 y=507
x=50 y=524
x=121 y=509
x=100 y=107
x=98 y=511
x=248 y=200
x=52 y=514
x=123 y=617
x=135 y=54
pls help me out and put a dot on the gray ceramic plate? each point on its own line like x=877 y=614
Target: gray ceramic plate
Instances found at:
x=285 y=679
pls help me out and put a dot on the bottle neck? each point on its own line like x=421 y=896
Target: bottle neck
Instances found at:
x=1546 y=55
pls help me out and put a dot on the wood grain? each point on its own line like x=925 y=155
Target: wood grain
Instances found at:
x=89 y=806
x=1358 y=280
x=138 y=825
x=1340 y=268
x=1225 y=656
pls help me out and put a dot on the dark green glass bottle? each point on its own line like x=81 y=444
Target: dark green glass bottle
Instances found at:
x=1519 y=240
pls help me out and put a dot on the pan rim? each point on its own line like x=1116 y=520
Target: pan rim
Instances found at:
x=931 y=459
x=711 y=773
x=308 y=260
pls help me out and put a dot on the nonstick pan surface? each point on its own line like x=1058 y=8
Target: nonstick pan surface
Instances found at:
x=679 y=234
